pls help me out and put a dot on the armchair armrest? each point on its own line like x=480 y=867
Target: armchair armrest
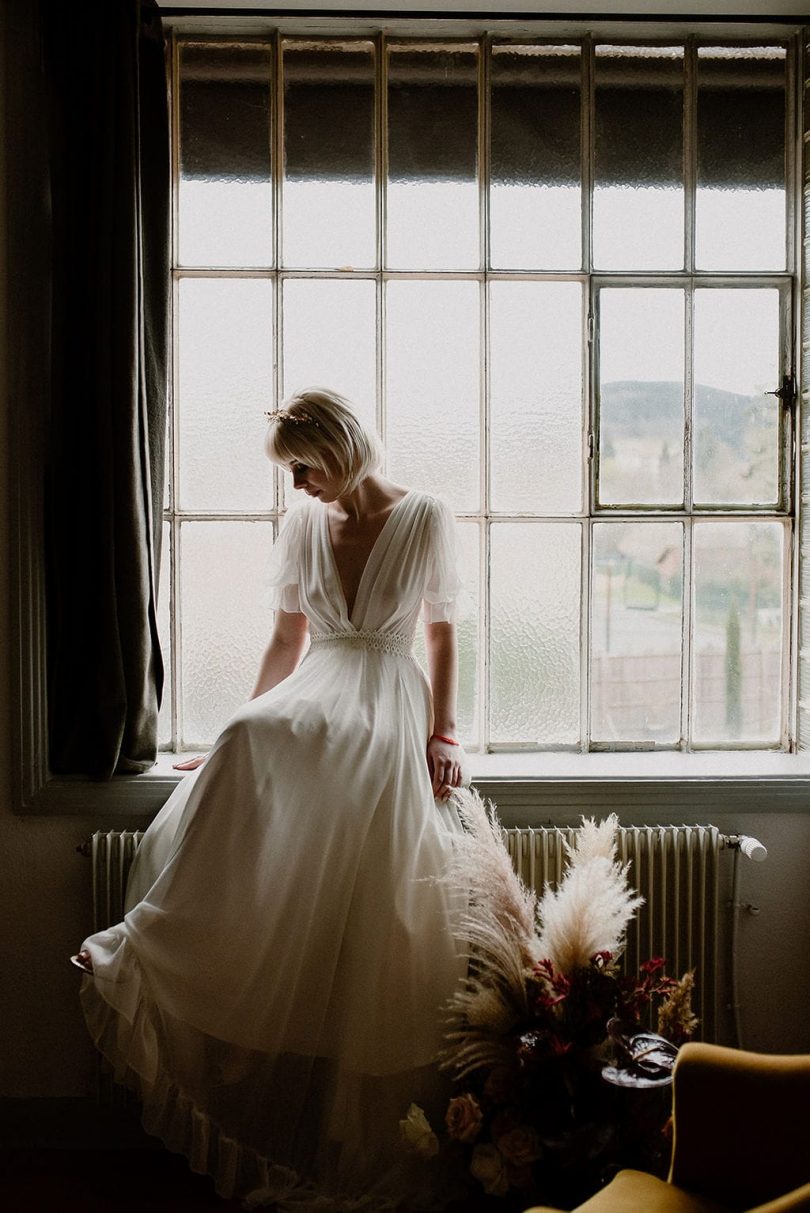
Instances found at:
x=742 y=1125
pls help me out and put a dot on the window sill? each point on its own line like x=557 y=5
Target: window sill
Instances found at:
x=527 y=787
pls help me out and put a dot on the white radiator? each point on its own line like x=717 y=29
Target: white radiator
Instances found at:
x=675 y=868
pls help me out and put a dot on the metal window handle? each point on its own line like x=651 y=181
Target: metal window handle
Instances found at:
x=787 y=392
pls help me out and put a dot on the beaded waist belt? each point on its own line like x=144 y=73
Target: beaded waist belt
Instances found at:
x=396 y=643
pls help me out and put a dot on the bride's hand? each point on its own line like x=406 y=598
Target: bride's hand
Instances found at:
x=190 y=764
x=444 y=764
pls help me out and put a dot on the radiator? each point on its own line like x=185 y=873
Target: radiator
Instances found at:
x=676 y=871
x=675 y=868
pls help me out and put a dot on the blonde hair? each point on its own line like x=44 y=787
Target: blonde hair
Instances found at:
x=319 y=427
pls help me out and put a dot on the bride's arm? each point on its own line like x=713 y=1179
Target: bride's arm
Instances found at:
x=283 y=653
x=443 y=758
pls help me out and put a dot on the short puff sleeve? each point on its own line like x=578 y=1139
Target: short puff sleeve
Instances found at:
x=285 y=564
x=444 y=598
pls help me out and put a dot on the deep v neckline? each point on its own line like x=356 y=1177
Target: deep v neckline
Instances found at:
x=344 y=605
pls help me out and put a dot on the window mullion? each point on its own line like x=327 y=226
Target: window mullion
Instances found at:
x=381 y=175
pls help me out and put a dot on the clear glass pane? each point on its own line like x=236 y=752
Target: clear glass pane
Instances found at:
x=165 y=634
x=738 y=633
x=535 y=574
x=225 y=620
x=225 y=187
x=740 y=216
x=636 y=631
x=536 y=396
x=467 y=629
x=432 y=198
x=736 y=427
x=434 y=387
x=641 y=414
x=535 y=158
x=328 y=204
x=225 y=386
x=638 y=199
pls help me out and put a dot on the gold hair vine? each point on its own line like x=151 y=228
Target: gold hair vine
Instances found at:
x=295 y=418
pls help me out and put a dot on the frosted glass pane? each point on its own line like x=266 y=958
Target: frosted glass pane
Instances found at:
x=467 y=629
x=641 y=414
x=638 y=200
x=330 y=338
x=736 y=428
x=225 y=188
x=225 y=385
x=536 y=591
x=637 y=588
x=328 y=204
x=433 y=388
x=536 y=396
x=225 y=620
x=739 y=604
x=535 y=158
x=740 y=215
x=330 y=330
x=432 y=198
x=165 y=634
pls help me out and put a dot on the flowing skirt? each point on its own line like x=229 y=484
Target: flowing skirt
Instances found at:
x=275 y=991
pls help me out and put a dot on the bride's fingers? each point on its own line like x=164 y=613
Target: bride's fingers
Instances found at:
x=190 y=764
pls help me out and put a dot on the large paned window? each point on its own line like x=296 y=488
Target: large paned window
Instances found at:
x=560 y=278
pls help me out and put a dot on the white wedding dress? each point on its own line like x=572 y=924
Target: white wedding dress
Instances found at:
x=274 y=992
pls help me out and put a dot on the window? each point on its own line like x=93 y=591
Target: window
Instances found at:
x=560 y=276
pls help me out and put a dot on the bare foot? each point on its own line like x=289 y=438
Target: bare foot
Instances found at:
x=82 y=960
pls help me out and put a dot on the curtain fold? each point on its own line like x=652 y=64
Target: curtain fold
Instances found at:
x=104 y=73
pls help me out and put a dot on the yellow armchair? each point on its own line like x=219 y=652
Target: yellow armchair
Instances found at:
x=741 y=1139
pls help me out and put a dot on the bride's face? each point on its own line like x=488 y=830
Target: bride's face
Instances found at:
x=314 y=482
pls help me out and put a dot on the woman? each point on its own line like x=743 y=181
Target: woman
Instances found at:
x=275 y=990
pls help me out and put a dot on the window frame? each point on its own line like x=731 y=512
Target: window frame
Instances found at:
x=531 y=792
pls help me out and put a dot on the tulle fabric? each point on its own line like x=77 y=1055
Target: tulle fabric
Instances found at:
x=274 y=992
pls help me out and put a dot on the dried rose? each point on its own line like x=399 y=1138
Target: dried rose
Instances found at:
x=500 y=1084
x=464 y=1117
x=488 y=1166
x=417 y=1134
x=519 y=1146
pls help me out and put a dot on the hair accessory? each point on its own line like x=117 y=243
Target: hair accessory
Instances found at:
x=449 y=740
x=296 y=418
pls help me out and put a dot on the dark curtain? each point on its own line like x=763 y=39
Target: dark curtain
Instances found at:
x=108 y=131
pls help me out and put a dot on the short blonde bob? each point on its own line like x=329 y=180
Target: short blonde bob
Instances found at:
x=319 y=427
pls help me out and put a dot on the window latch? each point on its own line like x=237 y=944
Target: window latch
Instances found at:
x=787 y=392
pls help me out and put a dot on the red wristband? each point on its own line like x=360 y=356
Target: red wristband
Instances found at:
x=448 y=740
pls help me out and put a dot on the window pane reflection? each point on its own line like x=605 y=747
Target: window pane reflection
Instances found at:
x=535 y=167
x=638 y=200
x=741 y=195
x=329 y=209
x=432 y=196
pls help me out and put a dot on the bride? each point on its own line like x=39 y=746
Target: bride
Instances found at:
x=274 y=992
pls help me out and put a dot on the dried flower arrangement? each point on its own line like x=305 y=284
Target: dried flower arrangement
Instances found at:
x=542 y=1014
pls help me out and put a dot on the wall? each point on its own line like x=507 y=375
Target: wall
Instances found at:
x=44 y=883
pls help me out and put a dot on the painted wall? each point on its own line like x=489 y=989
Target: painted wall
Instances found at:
x=45 y=902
